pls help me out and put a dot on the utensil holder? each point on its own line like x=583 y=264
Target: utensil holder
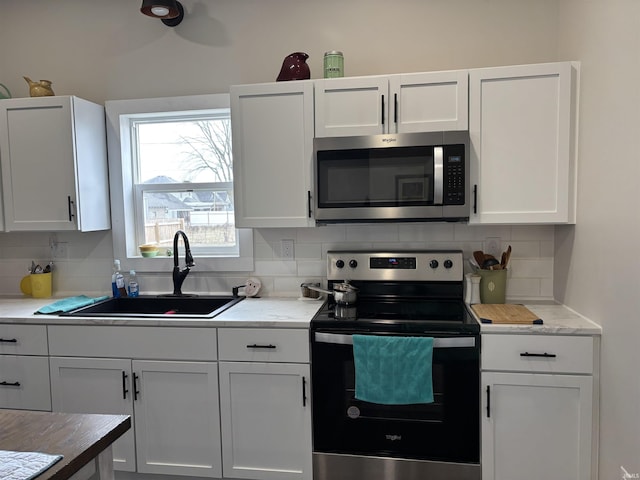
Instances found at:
x=493 y=285
x=40 y=285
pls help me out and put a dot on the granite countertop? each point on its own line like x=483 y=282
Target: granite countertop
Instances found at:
x=274 y=312
x=557 y=319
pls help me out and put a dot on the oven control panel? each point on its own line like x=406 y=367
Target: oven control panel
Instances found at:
x=408 y=265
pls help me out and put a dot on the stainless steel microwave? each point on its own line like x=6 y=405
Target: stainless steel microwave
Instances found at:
x=392 y=178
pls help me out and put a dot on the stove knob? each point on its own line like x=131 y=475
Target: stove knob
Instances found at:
x=353 y=263
x=340 y=263
x=448 y=264
x=433 y=263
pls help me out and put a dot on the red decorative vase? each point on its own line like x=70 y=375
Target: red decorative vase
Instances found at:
x=294 y=67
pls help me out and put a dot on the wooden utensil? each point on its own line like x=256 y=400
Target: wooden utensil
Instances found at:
x=507 y=256
x=478 y=255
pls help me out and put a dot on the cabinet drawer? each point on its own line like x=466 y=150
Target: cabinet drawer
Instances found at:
x=23 y=339
x=167 y=343
x=537 y=353
x=24 y=382
x=263 y=345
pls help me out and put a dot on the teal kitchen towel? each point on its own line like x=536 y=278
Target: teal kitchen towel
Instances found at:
x=68 y=304
x=393 y=370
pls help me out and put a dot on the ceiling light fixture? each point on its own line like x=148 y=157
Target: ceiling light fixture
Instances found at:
x=169 y=11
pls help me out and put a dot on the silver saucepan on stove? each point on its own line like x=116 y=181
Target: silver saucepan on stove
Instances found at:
x=344 y=293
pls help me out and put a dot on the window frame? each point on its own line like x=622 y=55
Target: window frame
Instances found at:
x=121 y=182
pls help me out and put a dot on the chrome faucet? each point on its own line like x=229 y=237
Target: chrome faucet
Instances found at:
x=180 y=275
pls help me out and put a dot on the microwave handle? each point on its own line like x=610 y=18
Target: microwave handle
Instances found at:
x=395 y=108
x=438 y=175
x=382 y=108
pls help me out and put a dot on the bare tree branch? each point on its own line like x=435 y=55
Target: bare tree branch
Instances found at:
x=211 y=150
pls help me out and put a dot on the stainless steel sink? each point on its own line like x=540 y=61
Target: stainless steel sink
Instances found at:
x=159 y=306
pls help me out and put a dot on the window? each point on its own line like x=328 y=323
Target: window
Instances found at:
x=170 y=167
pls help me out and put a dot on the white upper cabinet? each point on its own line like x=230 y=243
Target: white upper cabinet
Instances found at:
x=54 y=164
x=522 y=131
x=403 y=103
x=272 y=128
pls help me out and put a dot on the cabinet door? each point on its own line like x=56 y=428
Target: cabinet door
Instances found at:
x=536 y=426
x=177 y=418
x=96 y=385
x=522 y=157
x=272 y=128
x=266 y=420
x=38 y=177
x=429 y=102
x=24 y=382
x=352 y=106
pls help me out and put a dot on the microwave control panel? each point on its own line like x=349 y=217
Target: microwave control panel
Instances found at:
x=454 y=175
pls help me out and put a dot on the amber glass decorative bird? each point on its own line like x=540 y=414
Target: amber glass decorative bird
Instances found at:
x=40 y=89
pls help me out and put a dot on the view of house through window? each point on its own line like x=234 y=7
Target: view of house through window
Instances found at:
x=183 y=180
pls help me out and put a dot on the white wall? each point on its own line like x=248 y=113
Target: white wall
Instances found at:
x=596 y=262
x=108 y=50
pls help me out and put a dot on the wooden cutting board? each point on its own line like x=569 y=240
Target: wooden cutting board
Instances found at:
x=506 y=313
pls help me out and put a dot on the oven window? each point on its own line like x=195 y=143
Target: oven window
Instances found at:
x=390 y=177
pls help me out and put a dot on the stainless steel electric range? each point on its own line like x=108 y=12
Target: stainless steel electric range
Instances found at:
x=401 y=293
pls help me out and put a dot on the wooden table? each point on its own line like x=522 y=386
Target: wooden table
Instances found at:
x=84 y=440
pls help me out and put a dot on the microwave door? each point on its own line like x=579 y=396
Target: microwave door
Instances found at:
x=393 y=177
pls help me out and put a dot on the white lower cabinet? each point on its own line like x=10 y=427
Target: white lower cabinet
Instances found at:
x=173 y=402
x=265 y=404
x=24 y=367
x=246 y=416
x=96 y=385
x=536 y=426
x=538 y=420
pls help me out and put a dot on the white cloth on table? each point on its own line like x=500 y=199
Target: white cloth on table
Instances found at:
x=24 y=465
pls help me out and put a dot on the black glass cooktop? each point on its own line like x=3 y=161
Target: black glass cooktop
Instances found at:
x=400 y=315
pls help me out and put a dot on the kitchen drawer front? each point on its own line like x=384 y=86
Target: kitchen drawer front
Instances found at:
x=23 y=339
x=263 y=345
x=538 y=353
x=24 y=382
x=166 y=343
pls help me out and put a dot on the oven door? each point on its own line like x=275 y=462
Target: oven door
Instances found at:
x=446 y=430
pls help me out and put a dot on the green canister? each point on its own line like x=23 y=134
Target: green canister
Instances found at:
x=333 y=64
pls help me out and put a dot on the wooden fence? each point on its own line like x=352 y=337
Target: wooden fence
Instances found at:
x=163 y=232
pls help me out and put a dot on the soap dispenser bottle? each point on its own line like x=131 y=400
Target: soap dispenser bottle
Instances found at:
x=117 y=281
x=134 y=286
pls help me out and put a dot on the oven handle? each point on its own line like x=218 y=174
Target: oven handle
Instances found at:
x=438 y=342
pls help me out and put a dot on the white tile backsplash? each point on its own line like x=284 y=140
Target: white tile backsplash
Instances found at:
x=87 y=268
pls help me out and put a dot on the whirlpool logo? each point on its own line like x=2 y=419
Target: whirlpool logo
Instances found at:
x=393 y=438
x=389 y=140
